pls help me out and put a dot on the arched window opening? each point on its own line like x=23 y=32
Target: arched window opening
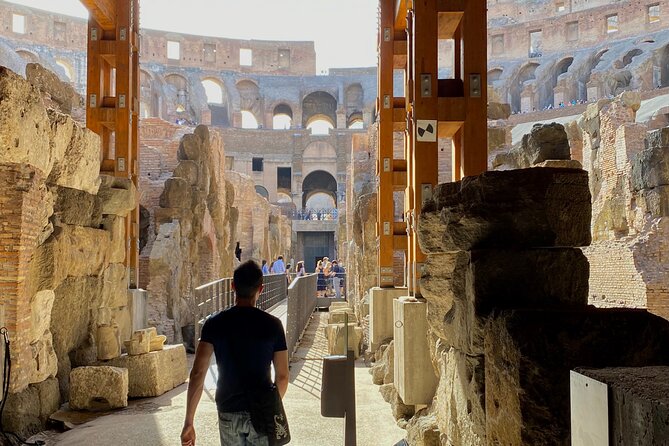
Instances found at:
x=260 y=190
x=494 y=75
x=213 y=90
x=564 y=65
x=320 y=127
x=627 y=58
x=249 y=121
x=282 y=117
x=320 y=200
x=319 y=184
x=319 y=104
x=282 y=197
x=69 y=71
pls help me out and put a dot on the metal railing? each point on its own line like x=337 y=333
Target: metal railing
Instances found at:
x=311 y=214
x=218 y=295
x=301 y=304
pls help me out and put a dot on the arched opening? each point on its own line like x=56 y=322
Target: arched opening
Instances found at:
x=28 y=56
x=664 y=67
x=583 y=86
x=282 y=117
x=354 y=101
x=319 y=182
x=319 y=104
x=67 y=68
x=355 y=122
x=283 y=198
x=320 y=200
x=526 y=74
x=558 y=99
x=563 y=66
x=494 y=75
x=320 y=125
x=249 y=120
x=260 y=190
x=249 y=99
x=214 y=91
x=180 y=86
x=629 y=57
x=144 y=110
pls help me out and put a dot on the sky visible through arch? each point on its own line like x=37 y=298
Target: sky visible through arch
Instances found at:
x=344 y=31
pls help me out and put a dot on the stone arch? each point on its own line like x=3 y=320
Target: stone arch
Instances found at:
x=249 y=97
x=249 y=120
x=319 y=155
x=217 y=101
x=494 y=75
x=561 y=68
x=629 y=57
x=355 y=121
x=148 y=107
x=262 y=191
x=354 y=97
x=319 y=105
x=319 y=182
x=282 y=197
x=592 y=65
x=68 y=69
x=525 y=74
x=180 y=85
x=282 y=116
x=28 y=56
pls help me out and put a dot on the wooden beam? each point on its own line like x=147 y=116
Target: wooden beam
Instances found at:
x=103 y=12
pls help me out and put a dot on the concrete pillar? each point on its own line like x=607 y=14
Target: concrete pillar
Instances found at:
x=381 y=314
x=414 y=378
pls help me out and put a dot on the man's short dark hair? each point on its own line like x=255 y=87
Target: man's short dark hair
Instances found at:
x=247 y=279
x=280 y=258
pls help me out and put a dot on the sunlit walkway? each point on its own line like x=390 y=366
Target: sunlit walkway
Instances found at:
x=158 y=421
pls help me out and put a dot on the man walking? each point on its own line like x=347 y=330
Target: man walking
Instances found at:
x=279 y=266
x=245 y=341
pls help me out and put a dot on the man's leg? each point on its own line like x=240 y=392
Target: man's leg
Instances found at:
x=231 y=428
x=253 y=438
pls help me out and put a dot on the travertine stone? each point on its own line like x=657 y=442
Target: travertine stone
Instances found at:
x=339 y=316
x=546 y=142
x=108 y=342
x=650 y=168
x=638 y=403
x=76 y=207
x=541 y=207
x=177 y=194
x=565 y=164
x=157 y=342
x=118 y=196
x=98 y=387
x=27 y=412
x=381 y=323
x=63 y=94
x=498 y=111
x=422 y=430
x=528 y=355
x=154 y=373
x=335 y=335
x=139 y=343
x=188 y=170
x=390 y=395
x=79 y=167
x=383 y=369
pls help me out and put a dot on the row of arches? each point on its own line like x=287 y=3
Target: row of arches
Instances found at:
x=318 y=109
x=319 y=191
x=575 y=74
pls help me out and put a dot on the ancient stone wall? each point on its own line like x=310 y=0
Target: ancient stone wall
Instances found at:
x=62 y=247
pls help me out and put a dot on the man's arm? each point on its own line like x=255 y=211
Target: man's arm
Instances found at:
x=280 y=361
x=195 y=386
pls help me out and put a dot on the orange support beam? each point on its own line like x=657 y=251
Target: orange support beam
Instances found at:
x=112 y=100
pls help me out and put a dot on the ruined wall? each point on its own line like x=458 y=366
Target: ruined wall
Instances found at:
x=62 y=247
x=628 y=182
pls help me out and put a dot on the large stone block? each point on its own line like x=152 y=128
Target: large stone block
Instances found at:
x=528 y=356
x=24 y=125
x=638 y=403
x=498 y=111
x=546 y=142
x=118 y=196
x=79 y=167
x=63 y=94
x=76 y=207
x=178 y=194
x=188 y=170
x=27 y=412
x=155 y=373
x=98 y=387
x=650 y=168
x=381 y=323
x=540 y=207
x=336 y=333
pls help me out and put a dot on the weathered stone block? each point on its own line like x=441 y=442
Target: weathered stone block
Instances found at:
x=118 y=196
x=650 y=168
x=27 y=412
x=399 y=409
x=77 y=207
x=139 y=343
x=27 y=143
x=79 y=166
x=546 y=142
x=657 y=139
x=188 y=170
x=638 y=403
x=48 y=82
x=381 y=323
x=498 y=111
x=108 y=341
x=98 y=387
x=335 y=334
x=154 y=373
x=383 y=370
x=540 y=207
x=528 y=355
x=178 y=194
x=116 y=227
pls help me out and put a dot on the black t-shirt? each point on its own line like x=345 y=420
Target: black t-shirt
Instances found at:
x=244 y=340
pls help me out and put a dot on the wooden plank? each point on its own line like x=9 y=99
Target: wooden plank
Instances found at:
x=400 y=14
x=103 y=12
x=448 y=23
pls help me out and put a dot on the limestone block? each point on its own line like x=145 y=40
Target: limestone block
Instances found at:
x=399 y=409
x=139 y=343
x=45 y=361
x=62 y=93
x=498 y=111
x=381 y=323
x=383 y=369
x=108 y=342
x=422 y=430
x=538 y=207
x=76 y=207
x=335 y=335
x=546 y=142
x=154 y=373
x=650 y=168
x=157 y=342
x=80 y=166
x=565 y=164
x=116 y=227
x=414 y=375
x=657 y=139
x=27 y=412
x=528 y=355
x=339 y=305
x=98 y=387
x=638 y=403
x=40 y=314
x=339 y=316
x=115 y=286
x=118 y=196
x=188 y=170
x=190 y=147
x=177 y=194
x=24 y=125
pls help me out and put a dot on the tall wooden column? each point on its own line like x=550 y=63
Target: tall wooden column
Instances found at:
x=112 y=104
x=436 y=108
